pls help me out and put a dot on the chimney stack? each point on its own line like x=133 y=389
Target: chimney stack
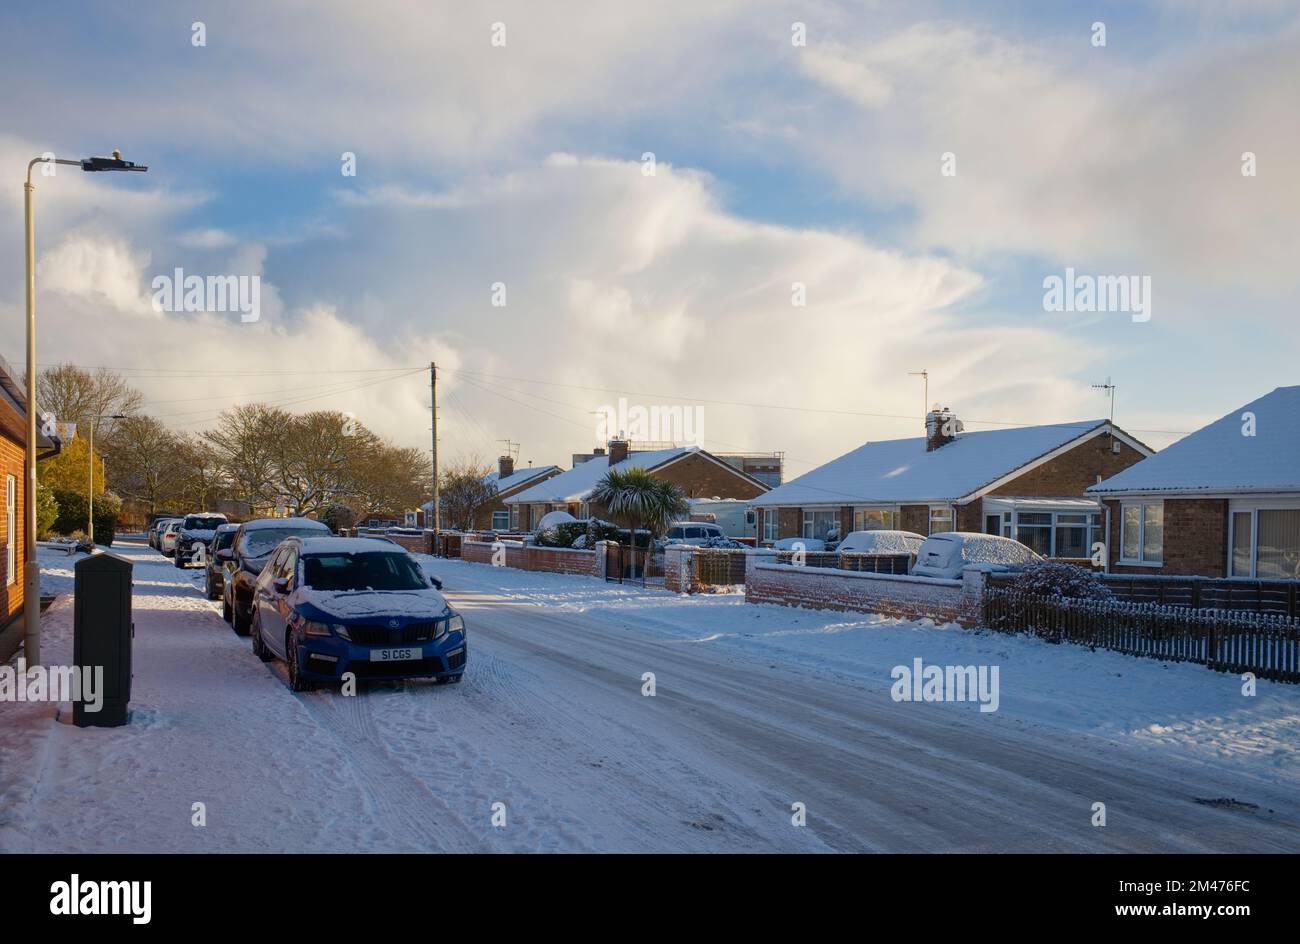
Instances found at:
x=617 y=451
x=941 y=427
x=505 y=467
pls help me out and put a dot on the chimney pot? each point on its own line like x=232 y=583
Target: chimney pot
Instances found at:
x=505 y=466
x=941 y=428
x=617 y=451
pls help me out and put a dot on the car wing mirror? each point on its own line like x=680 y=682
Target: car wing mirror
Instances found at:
x=437 y=584
x=225 y=554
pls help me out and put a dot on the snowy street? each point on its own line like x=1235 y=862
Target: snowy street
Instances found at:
x=756 y=708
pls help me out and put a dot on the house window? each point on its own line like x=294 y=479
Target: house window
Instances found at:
x=1034 y=531
x=1266 y=543
x=769 y=524
x=11 y=537
x=1142 y=533
x=500 y=521
x=514 y=517
x=940 y=519
x=875 y=519
x=819 y=524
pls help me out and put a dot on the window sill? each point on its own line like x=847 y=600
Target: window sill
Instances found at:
x=1138 y=563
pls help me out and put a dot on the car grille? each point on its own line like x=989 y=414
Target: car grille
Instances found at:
x=363 y=669
x=456 y=659
x=371 y=635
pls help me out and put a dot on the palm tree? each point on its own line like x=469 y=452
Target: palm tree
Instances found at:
x=639 y=500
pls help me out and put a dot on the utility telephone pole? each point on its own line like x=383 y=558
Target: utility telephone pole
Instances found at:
x=433 y=404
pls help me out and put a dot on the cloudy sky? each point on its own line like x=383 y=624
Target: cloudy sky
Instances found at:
x=774 y=163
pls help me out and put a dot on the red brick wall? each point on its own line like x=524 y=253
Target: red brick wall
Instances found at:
x=1195 y=539
x=547 y=559
x=483 y=516
x=701 y=477
x=789 y=523
x=914 y=518
x=12 y=462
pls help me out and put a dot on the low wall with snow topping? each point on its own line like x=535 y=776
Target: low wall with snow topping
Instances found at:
x=824 y=588
x=555 y=560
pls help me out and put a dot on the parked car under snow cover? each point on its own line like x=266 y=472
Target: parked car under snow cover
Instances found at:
x=333 y=605
x=881 y=542
x=947 y=554
x=195 y=531
x=695 y=533
x=811 y=545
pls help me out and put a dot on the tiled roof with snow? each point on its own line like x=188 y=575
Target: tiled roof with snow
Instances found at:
x=900 y=470
x=516 y=478
x=575 y=484
x=1221 y=458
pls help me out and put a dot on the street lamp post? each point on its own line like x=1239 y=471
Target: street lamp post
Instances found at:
x=90 y=491
x=31 y=567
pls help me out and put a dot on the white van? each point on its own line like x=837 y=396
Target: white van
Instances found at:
x=696 y=533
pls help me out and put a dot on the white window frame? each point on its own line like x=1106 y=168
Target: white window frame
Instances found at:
x=1140 y=560
x=493 y=521
x=11 y=530
x=1253 y=508
x=770 y=524
x=514 y=517
x=810 y=521
x=945 y=513
x=860 y=513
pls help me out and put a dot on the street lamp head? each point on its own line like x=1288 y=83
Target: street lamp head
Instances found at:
x=110 y=163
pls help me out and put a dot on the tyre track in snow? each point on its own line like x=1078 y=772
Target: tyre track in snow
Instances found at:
x=881 y=774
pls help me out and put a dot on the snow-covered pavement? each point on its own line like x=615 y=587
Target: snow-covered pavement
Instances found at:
x=756 y=708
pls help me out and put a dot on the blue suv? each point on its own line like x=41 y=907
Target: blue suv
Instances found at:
x=329 y=605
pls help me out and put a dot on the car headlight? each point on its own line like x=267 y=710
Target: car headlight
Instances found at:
x=456 y=624
x=313 y=628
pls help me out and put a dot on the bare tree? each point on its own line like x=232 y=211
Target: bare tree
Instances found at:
x=75 y=395
x=247 y=440
x=464 y=488
x=140 y=461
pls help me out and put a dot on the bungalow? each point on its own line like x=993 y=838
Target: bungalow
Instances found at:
x=1028 y=483
x=496 y=515
x=1222 y=502
x=700 y=474
x=13 y=443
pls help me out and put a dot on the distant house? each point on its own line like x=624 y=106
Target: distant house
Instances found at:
x=1028 y=483
x=700 y=474
x=13 y=445
x=496 y=515
x=1222 y=502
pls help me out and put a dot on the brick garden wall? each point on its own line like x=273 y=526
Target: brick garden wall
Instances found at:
x=555 y=560
x=825 y=589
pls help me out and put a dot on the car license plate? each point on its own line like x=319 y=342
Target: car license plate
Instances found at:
x=395 y=655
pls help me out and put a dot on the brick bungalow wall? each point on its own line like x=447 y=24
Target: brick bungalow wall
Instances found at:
x=483 y=516
x=12 y=462
x=1195 y=538
x=906 y=597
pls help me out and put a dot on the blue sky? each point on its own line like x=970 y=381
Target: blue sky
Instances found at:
x=776 y=164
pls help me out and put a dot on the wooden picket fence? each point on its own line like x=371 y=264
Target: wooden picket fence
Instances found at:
x=1267 y=644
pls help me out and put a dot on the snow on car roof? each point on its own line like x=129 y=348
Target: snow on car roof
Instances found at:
x=258 y=524
x=902 y=470
x=228 y=526
x=333 y=545
x=1224 y=457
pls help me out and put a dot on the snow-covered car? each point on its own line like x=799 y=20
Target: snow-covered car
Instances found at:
x=331 y=605
x=696 y=533
x=196 y=531
x=214 y=574
x=881 y=542
x=948 y=554
x=248 y=553
x=812 y=545
x=167 y=535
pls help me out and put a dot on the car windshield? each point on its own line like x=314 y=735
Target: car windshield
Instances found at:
x=369 y=571
x=261 y=541
x=199 y=523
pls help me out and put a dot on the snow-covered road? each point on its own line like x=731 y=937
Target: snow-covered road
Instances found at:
x=756 y=708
